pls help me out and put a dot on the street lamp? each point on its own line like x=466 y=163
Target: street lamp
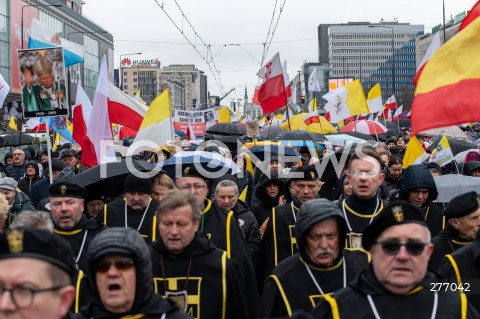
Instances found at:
x=68 y=70
x=393 y=53
x=36 y=6
x=121 y=71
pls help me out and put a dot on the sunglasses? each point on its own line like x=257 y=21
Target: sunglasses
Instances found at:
x=119 y=263
x=393 y=247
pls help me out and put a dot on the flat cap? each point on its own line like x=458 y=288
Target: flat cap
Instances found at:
x=462 y=205
x=396 y=213
x=8 y=183
x=68 y=152
x=65 y=188
x=38 y=244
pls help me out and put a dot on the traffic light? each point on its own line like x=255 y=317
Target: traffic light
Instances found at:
x=303 y=99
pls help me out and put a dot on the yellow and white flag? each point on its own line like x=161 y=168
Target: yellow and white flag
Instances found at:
x=374 y=99
x=442 y=154
x=346 y=101
x=12 y=124
x=312 y=106
x=414 y=153
x=157 y=124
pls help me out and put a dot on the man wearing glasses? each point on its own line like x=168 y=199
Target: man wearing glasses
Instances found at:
x=121 y=278
x=363 y=205
x=136 y=210
x=17 y=169
x=397 y=283
x=36 y=268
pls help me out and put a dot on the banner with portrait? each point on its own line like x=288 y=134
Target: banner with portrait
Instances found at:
x=201 y=121
x=43 y=82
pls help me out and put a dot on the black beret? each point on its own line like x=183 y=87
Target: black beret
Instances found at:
x=191 y=171
x=137 y=184
x=38 y=244
x=396 y=213
x=66 y=189
x=462 y=205
x=305 y=172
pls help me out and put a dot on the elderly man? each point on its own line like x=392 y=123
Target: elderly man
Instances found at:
x=67 y=205
x=50 y=96
x=190 y=270
x=360 y=208
x=419 y=188
x=69 y=158
x=121 y=276
x=17 y=169
x=321 y=266
x=463 y=223
x=221 y=227
x=226 y=196
x=136 y=210
x=17 y=200
x=279 y=240
x=36 y=268
x=397 y=284
x=39 y=191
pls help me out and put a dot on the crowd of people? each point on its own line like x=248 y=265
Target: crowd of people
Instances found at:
x=276 y=240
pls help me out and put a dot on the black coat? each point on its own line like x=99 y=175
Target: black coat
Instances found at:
x=263 y=208
x=446 y=242
x=213 y=282
x=248 y=224
x=352 y=302
x=389 y=184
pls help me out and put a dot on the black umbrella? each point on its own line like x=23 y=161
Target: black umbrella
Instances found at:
x=272 y=131
x=227 y=129
x=456 y=145
x=230 y=141
x=297 y=135
x=14 y=139
x=266 y=150
x=404 y=123
x=111 y=185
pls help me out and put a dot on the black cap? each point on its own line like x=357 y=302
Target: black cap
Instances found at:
x=462 y=205
x=396 y=213
x=66 y=189
x=191 y=171
x=305 y=172
x=58 y=165
x=38 y=244
x=137 y=184
x=68 y=153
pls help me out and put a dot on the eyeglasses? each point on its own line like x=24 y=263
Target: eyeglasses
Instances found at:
x=120 y=264
x=393 y=247
x=22 y=297
x=195 y=187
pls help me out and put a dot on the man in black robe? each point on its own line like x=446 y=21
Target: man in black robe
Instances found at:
x=397 y=284
x=189 y=269
x=279 y=240
x=463 y=222
x=321 y=266
x=136 y=210
x=67 y=205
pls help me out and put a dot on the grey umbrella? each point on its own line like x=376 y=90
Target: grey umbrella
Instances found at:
x=451 y=185
x=272 y=132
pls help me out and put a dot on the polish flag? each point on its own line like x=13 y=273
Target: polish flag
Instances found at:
x=81 y=117
x=391 y=103
x=190 y=132
x=100 y=128
x=409 y=114
x=124 y=109
x=398 y=114
x=311 y=118
x=434 y=46
x=271 y=93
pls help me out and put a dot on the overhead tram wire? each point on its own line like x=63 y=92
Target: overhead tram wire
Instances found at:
x=268 y=33
x=215 y=45
x=217 y=80
x=275 y=28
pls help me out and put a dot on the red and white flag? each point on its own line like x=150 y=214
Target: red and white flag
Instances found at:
x=190 y=132
x=271 y=93
x=81 y=117
x=398 y=114
x=434 y=46
x=409 y=114
x=391 y=103
x=311 y=118
x=99 y=129
x=124 y=109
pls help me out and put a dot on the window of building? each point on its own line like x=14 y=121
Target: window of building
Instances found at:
x=5 y=65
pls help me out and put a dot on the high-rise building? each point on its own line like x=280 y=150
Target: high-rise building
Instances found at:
x=141 y=75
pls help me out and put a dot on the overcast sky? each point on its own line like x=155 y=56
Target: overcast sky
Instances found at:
x=142 y=26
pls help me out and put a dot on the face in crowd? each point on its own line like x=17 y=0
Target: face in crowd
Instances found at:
x=365 y=176
x=66 y=211
x=137 y=201
x=196 y=185
x=399 y=268
x=177 y=228
x=467 y=226
x=226 y=197
x=322 y=242
x=304 y=190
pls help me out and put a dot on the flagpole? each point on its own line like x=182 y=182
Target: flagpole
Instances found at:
x=270 y=126
x=286 y=105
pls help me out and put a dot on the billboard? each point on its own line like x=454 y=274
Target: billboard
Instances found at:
x=335 y=83
x=201 y=121
x=43 y=83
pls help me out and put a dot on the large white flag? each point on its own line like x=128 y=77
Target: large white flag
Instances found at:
x=313 y=85
x=4 y=89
